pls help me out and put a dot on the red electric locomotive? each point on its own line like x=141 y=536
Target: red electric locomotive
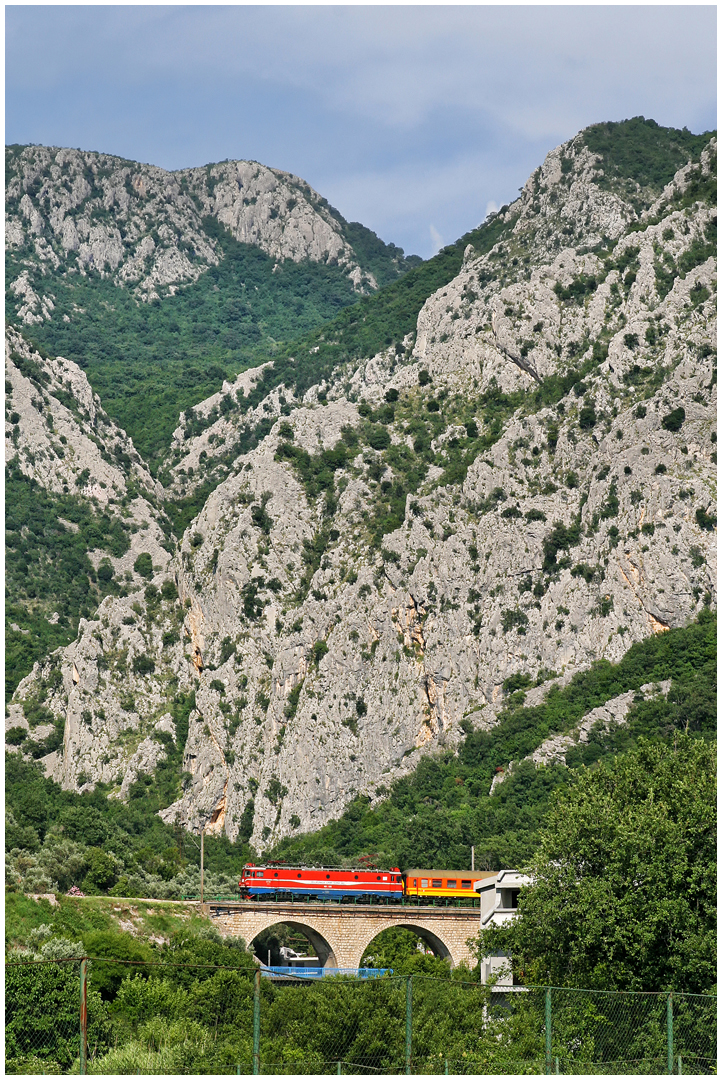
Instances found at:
x=321 y=882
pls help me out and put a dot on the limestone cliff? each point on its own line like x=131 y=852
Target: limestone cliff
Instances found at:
x=527 y=487
x=75 y=212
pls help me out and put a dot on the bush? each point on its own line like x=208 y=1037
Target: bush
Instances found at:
x=378 y=437
x=587 y=417
x=318 y=652
x=143 y=664
x=143 y=565
x=705 y=521
x=105 y=572
x=168 y=590
x=673 y=420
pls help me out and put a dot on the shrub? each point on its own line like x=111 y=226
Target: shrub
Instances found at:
x=587 y=417
x=143 y=565
x=705 y=521
x=513 y=617
x=424 y=378
x=105 y=572
x=378 y=437
x=168 y=590
x=143 y=665
x=318 y=652
x=673 y=420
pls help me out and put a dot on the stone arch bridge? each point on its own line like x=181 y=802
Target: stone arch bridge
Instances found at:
x=341 y=933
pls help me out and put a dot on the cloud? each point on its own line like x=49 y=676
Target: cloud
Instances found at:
x=399 y=115
x=435 y=239
x=491 y=208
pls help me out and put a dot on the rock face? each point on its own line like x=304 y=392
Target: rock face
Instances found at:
x=529 y=487
x=143 y=227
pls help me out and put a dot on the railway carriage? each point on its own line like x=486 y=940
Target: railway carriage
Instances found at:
x=321 y=883
x=436 y=886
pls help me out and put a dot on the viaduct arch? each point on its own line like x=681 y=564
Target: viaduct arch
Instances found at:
x=341 y=933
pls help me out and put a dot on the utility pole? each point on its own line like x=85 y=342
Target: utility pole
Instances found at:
x=203 y=833
x=472 y=858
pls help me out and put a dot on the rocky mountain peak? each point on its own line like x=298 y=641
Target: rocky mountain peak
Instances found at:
x=521 y=487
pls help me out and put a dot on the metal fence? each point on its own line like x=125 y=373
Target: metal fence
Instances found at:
x=104 y=1016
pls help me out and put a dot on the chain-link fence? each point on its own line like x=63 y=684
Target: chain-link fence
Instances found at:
x=119 y=1017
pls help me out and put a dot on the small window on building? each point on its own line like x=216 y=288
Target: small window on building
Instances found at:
x=466 y=884
x=451 y=883
x=436 y=883
x=515 y=898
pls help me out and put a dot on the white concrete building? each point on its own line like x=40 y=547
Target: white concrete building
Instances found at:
x=499 y=899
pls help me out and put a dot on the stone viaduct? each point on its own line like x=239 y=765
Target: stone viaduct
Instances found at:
x=340 y=933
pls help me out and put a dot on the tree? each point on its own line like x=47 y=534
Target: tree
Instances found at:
x=624 y=879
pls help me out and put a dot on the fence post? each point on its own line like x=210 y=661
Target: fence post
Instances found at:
x=408 y=1023
x=548 y=1029
x=257 y=1022
x=84 y=1015
x=679 y=1065
x=670 y=1037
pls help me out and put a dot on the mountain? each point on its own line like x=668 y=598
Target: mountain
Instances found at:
x=160 y=283
x=477 y=483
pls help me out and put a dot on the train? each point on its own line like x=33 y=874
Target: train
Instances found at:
x=359 y=884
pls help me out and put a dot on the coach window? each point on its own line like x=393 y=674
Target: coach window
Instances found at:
x=436 y=883
x=424 y=883
x=466 y=884
x=451 y=883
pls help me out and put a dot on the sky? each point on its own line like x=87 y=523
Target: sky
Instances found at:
x=415 y=120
